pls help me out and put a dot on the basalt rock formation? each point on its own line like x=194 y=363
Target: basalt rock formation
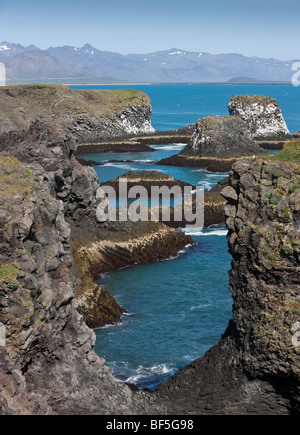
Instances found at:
x=47 y=152
x=213 y=201
x=263 y=118
x=216 y=144
x=139 y=142
x=147 y=179
x=254 y=369
x=296 y=135
x=53 y=246
x=48 y=365
x=47 y=203
x=89 y=115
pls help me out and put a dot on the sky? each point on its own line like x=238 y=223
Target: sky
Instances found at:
x=263 y=28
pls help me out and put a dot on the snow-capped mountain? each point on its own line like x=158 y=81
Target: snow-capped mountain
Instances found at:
x=91 y=65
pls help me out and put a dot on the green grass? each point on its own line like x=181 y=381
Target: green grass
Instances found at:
x=51 y=102
x=8 y=272
x=252 y=99
x=13 y=285
x=14 y=179
x=290 y=153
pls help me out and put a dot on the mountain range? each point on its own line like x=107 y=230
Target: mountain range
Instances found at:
x=88 y=64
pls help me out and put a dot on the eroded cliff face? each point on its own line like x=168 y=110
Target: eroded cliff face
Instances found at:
x=47 y=152
x=264 y=239
x=48 y=216
x=217 y=142
x=262 y=116
x=89 y=115
x=48 y=364
x=254 y=369
x=217 y=136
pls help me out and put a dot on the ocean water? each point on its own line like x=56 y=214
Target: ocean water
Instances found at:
x=179 y=308
x=146 y=161
x=175 y=106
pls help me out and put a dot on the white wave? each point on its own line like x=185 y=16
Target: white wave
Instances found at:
x=114 y=325
x=182 y=251
x=201 y=307
x=221 y=233
x=206 y=184
x=143 y=161
x=143 y=372
x=169 y=147
x=121 y=166
x=211 y=174
x=194 y=232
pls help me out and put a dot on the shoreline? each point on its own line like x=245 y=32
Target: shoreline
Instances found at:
x=181 y=83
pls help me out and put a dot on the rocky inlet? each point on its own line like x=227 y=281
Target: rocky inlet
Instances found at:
x=52 y=248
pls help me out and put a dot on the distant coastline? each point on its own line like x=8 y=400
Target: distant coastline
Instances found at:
x=91 y=66
x=178 y=83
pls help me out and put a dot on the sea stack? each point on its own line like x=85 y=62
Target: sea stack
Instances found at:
x=263 y=118
x=222 y=136
x=217 y=142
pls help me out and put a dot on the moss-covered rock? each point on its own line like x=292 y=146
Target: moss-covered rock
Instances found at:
x=217 y=142
x=290 y=153
x=90 y=115
x=254 y=369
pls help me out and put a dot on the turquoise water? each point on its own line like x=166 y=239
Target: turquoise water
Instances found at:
x=175 y=106
x=177 y=309
x=145 y=160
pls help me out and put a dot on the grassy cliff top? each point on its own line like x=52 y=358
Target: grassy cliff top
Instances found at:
x=290 y=152
x=15 y=180
x=252 y=99
x=22 y=103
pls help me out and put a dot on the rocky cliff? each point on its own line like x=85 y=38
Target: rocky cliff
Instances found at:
x=48 y=220
x=48 y=365
x=90 y=115
x=47 y=151
x=217 y=142
x=52 y=247
x=221 y=137
x=254 y=369
x=263 y=118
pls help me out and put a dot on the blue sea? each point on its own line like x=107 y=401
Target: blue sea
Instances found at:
x=179 y=308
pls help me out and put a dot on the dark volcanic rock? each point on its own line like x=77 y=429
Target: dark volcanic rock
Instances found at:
x=254 y=369
x=48 y=365
x=15 y=397
x=52 y=247
x=216 y=144
x=147 y=179
x=296 y=135
x=89 y=115
x=221 y=137
x=213 y=201
x=48 y=152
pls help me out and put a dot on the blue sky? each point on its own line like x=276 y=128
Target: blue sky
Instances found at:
x=264 y=28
